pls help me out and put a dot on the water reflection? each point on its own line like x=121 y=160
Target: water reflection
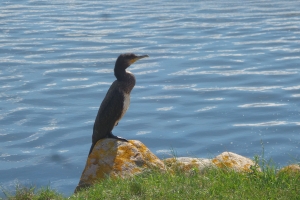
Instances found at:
x=255 y=89
x=206 y=108
x=261 y=105
x=248 y=71
x=270 y=123
x=165 y=108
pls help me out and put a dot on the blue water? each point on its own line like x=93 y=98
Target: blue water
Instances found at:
x=221 y=76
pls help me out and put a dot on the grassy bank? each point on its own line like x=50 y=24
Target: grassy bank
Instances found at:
x=212 y=184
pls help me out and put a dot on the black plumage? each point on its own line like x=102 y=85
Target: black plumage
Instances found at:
x=116 y=101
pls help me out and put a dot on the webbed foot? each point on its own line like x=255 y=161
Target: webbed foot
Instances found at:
x=116 y=137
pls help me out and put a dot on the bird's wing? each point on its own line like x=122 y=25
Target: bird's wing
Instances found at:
x=112 y=105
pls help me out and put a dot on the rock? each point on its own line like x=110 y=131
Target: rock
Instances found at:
x=115 y=158
x=226 y=160
x=235 y=162
x=290 y=170
x=188 y=164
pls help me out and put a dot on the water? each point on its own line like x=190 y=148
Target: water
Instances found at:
x=221 y=76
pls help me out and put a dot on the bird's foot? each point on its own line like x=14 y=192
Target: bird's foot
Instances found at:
x=116 y=137
x=91 y=149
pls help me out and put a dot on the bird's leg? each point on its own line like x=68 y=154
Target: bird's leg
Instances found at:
x=110 y=135
x=91 y=149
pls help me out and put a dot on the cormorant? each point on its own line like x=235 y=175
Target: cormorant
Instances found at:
x=116 y=101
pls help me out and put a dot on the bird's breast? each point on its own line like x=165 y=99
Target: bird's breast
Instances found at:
x=126 y=104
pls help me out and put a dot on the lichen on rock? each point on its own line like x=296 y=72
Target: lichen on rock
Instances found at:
x=112 y=158
x=291 y=170
x=238 y=163
x=115 y=158
x=187 y=164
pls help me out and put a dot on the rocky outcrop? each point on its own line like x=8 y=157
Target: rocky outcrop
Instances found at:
x=226 y=160
x=235 y=162
x=188 y=164
x=115 y=158
x=290 y=170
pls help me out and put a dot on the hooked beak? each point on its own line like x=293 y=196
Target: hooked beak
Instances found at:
x=138 y=58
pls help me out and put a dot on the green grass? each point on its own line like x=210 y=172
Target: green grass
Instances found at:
x=30 y=193
x=211 y=184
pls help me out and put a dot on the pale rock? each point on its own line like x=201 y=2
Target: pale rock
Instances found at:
x=115 y=158
x=188 y=164
x=290 y=169
x=238 y=163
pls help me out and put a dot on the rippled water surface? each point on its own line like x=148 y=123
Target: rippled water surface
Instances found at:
x=221 y=76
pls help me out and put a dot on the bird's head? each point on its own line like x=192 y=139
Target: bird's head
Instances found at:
x=126 y=59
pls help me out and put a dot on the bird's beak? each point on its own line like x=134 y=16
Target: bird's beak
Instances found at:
x=137 y=58
x=140 y=57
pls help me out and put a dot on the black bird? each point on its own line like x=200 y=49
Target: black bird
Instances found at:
x=116 y=101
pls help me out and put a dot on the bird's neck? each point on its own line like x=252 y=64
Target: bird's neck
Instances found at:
x=120 y=74
x=123 y=75
x=126 y=78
